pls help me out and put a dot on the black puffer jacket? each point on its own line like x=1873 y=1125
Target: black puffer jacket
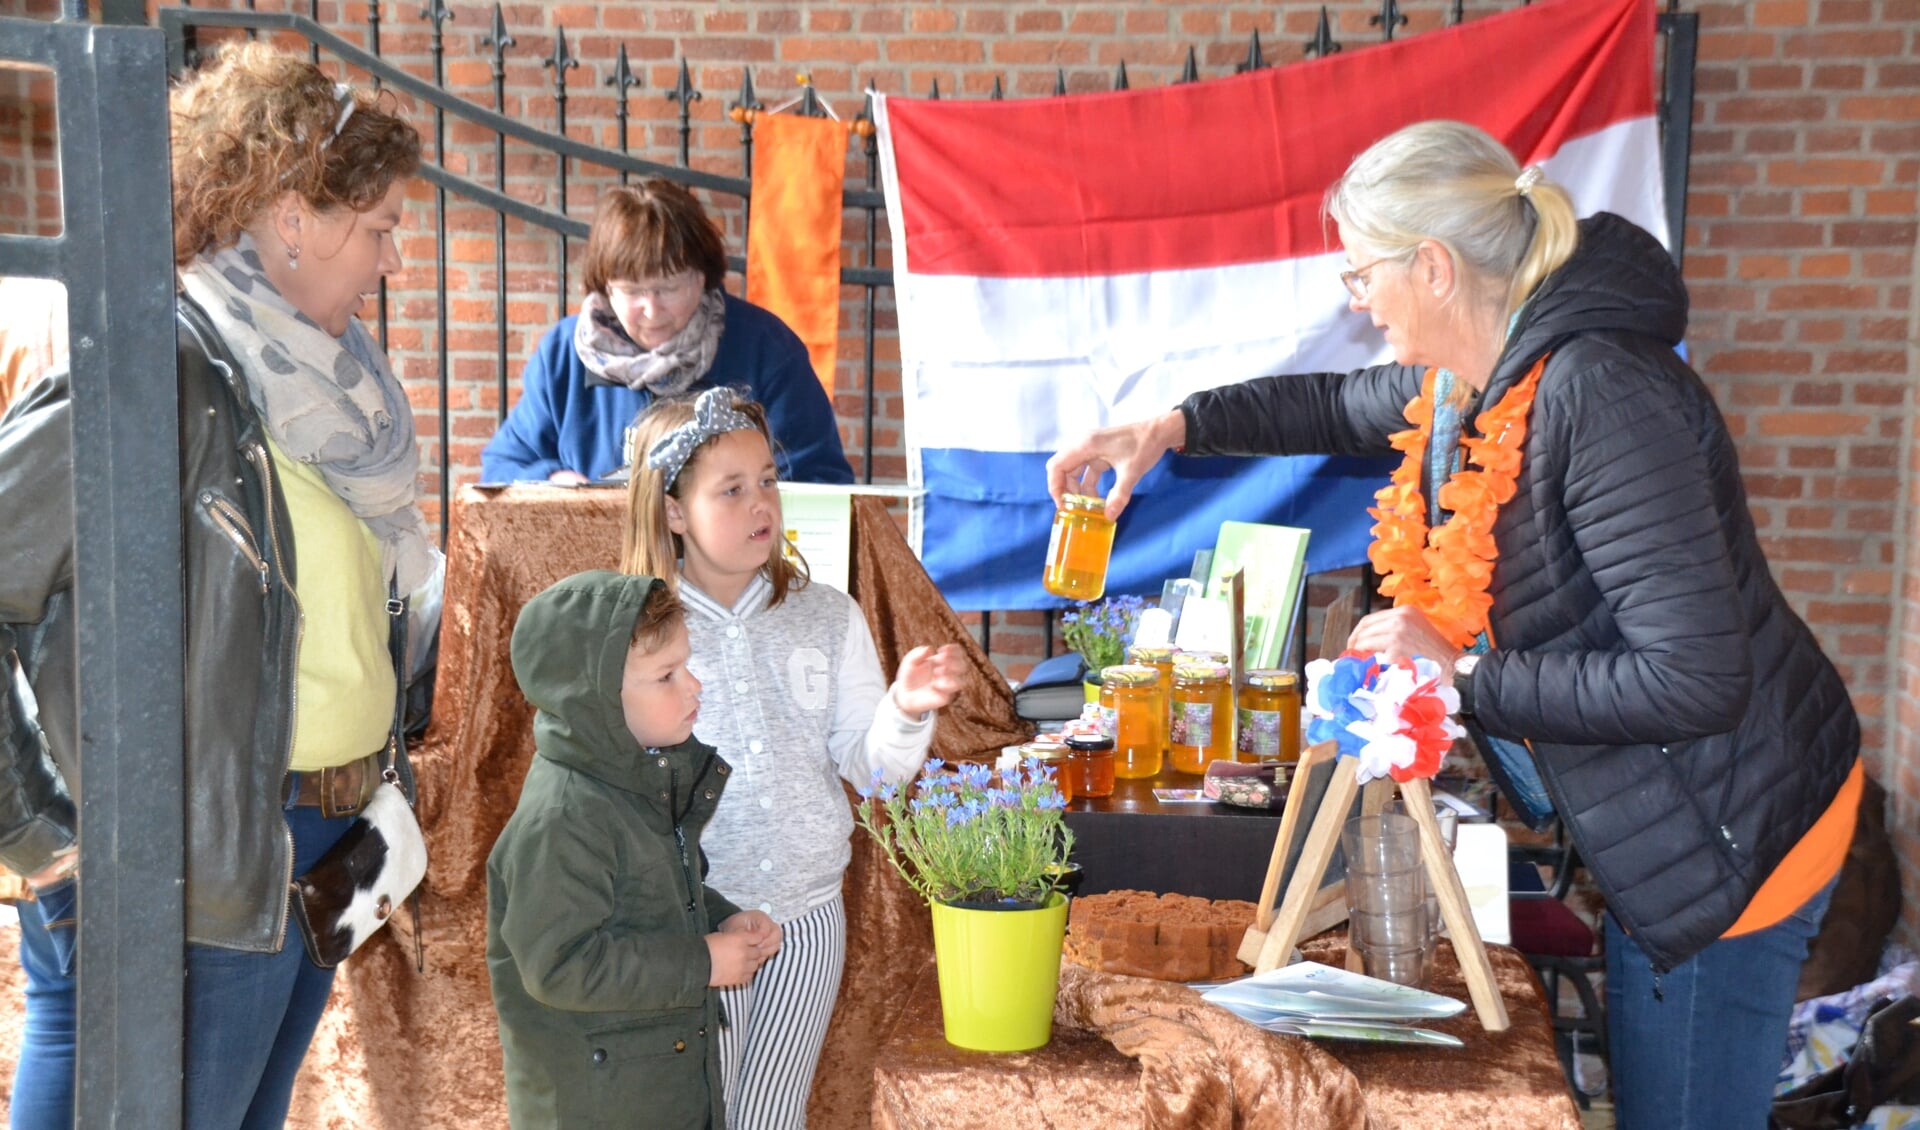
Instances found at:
x=1684 y=719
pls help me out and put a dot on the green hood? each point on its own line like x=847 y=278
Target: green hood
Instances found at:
x=569 y=652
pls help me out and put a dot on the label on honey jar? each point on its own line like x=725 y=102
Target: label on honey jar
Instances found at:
x=1110 y=721
x=1192 y=723
x=1260 y=733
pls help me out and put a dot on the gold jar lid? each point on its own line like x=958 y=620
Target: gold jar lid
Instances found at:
x=1219 y=657
x=1272 y=679
x=1149 y=655
x=1188 y=671
x=1083 y=502
x=1044 y=751
x=1129 y=675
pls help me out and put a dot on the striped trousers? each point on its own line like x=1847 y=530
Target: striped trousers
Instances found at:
x=776 y=1023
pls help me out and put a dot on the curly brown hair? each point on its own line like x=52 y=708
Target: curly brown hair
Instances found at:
x=258 y=121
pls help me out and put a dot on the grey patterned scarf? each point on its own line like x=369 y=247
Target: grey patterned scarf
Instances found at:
x=328 y=402
x=616 y=359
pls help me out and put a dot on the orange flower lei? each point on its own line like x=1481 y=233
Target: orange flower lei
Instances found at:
x=1445 y=572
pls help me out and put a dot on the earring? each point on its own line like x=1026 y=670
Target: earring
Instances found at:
x=293 y=258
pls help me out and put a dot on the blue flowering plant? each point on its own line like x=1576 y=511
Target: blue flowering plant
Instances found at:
x=966 y=835
x=1100 y=632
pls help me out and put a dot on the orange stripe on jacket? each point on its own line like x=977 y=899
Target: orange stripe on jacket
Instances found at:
x=793 y=237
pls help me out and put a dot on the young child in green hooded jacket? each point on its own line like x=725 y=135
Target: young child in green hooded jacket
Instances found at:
x=602 y=941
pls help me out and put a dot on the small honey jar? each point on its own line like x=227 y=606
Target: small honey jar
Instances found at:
x=1270 y=718
x=1133 y=712
x=1202 y=715
x=1054 y=756
x=1078 y=550
x=1093 y=753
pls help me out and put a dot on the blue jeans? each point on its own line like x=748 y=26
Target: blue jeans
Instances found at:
x=1703 y=1055
x=43 y=1079
x=250 y=1017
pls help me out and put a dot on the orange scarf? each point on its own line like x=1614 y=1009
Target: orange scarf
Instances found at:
x=1445 y=572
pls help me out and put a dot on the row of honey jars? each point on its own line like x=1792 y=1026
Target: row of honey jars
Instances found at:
x=1134 y=712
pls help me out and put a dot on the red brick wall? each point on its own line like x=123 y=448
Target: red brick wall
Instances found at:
x=29 y=168
x=1800 y=245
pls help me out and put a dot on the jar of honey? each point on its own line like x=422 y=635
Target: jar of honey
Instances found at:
x=1270 y=718
x=1093 y=753
x=1161 y=660
x=1134 y=714
x=1078 y=550
x=1053 y=755
x=1202 y=715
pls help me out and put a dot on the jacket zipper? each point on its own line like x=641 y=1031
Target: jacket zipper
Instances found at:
x=257 y=455
x=234 y=524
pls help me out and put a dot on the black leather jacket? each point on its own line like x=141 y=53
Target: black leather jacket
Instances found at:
x=242 y=635
x=1685 y=720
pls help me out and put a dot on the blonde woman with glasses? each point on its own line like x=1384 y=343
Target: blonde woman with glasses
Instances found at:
x=1568 y=536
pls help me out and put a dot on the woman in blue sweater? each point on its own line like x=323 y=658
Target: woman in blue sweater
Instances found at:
x=657 y=323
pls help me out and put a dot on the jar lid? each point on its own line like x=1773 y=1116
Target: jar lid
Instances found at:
x=1128 y=675
x=1219 y=657
x=1083 y=502
x=1272 y=679
x=1089 y=742
x=1198 y=672
x=1147 y=654
x=1043 y=751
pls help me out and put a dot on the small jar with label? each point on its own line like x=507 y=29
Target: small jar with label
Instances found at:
x=1161 y=660
x=1202 y=715
x=1093 y=753
x=1270 y=718
x=1053 y=755
x=1134 y=714
x=1078 y=549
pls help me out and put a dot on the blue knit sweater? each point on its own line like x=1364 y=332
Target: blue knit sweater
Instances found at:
x=563 y=422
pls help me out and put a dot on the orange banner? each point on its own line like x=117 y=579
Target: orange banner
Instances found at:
x=793 y=237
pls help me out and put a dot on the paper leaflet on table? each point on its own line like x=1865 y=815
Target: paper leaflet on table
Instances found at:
x=818 y=519
x=1310 y=999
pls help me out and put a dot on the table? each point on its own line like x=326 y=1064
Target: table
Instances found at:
x=1200 y=1067
x=1133 y=841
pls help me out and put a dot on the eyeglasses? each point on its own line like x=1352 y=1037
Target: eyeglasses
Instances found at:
x=658 y=291
x=1357 y=280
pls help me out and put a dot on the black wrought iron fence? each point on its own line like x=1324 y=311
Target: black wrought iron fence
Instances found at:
x=183 y=26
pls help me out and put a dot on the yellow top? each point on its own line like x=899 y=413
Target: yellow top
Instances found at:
x=344 y=692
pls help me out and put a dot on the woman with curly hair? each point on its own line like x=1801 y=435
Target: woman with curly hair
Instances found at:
x=297 y=483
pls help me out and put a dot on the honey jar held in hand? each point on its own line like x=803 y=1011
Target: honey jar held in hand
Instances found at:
x=1077 y=552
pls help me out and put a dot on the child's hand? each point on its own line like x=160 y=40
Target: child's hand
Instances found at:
x=928 y=679
x=735 y=959
x=759 y=926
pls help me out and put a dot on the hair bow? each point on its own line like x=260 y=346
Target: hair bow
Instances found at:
x=713 y=415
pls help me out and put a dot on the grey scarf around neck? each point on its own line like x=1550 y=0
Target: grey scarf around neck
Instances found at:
x=669 y=370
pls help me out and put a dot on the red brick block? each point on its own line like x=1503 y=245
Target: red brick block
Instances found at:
x=1826 y=172
x=1813 y=423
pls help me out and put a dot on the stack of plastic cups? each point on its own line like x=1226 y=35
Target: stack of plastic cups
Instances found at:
x=1449 y=822
x=1387 y=912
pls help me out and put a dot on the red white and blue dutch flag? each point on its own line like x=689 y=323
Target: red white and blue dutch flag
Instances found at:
x=1067 y=263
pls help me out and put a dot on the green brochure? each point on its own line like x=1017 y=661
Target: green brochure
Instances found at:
x=1273 y=558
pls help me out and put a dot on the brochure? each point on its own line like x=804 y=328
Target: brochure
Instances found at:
x=1273 y=558
x=1310 y=999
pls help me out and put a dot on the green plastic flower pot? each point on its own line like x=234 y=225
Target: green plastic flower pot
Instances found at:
x=999 y=971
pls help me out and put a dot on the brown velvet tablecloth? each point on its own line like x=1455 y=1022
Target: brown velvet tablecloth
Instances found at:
x=1187 y=1064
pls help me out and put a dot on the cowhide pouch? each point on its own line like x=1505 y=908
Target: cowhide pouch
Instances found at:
x=360 y=883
